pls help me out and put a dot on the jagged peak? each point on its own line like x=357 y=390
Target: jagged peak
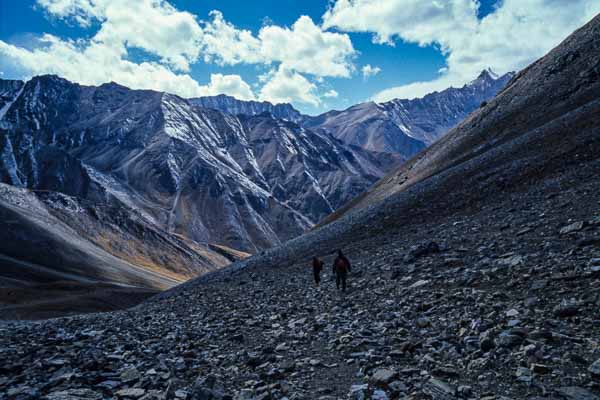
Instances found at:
x=113 y=84
x=49 y=78
x=234 y=106
x=233 y=98
x=488 y=73
x=11 y=81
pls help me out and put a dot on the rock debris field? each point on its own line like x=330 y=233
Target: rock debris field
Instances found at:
x=500 y=302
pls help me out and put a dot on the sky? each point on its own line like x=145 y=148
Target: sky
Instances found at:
x=316 y=54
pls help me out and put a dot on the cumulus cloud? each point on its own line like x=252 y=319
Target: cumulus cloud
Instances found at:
x=95 y=63
x=225 y=44
x=285 y=86
x=82 y=11
x=232 y=85
x=151 y=25
x=307 y=48
x=304 y=47
x=154 y=26
x=515 y=34
x=369 y=71
x=331 y=94
x=172 y=41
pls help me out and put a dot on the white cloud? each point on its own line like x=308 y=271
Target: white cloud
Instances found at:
x=331 y=94
x=304 y=47
x=232 y=85
x=82 y=11
x=95 y=63
x=225 y=44
x=152 y=25
x=369 y=71
x=515 y=34
x=286 y=86
x=307 y=48
x=172 y=41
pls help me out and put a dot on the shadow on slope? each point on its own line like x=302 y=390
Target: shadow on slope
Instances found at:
x=544 y=123
x=103 y=251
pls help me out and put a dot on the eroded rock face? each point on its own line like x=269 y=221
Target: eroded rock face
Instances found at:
x=62 y=255
x=246 y=182
x=397 y=126
x=233 y=106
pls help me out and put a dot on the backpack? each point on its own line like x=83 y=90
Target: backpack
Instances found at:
x=319 y=265
x=341 y=266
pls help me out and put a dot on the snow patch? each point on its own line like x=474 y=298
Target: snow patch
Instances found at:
x=7 y=106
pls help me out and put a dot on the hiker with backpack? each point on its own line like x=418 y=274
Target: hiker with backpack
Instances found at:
x=341 y=267
x=317 y=268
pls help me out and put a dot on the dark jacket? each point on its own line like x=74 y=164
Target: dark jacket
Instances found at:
x=317 y=265
x=341 y=265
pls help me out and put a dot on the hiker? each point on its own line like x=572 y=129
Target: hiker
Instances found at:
x=317 y=268
x=341 y=267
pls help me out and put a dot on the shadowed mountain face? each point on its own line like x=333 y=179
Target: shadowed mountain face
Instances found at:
x=110 y=255
x=408 y=126
x=9 y=90
x=91 y=242
x=247 y=182
x=546 y=116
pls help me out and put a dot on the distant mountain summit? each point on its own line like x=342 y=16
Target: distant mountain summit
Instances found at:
x=233 y=106
x=408 y=126
x=397 y=126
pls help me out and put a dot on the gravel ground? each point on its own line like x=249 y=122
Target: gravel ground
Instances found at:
x=504 y=303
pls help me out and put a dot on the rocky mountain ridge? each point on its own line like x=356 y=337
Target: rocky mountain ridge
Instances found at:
x=231 y=105
x=245 y=182
x=408 y=126
x=398 y=126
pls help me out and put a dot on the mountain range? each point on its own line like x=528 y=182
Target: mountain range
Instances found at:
x=231 y=105
x=245 y=181
x=398 y=126
x=148 y=189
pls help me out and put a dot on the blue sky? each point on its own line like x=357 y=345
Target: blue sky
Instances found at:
x=258 y=49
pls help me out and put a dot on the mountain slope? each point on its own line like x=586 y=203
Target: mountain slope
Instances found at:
x=9 y=90
x=210 y=176
x=233 y=106
x=62 y=255
x=78 y=255
x=121 y=235
x=550 y=105
x=408 y=126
